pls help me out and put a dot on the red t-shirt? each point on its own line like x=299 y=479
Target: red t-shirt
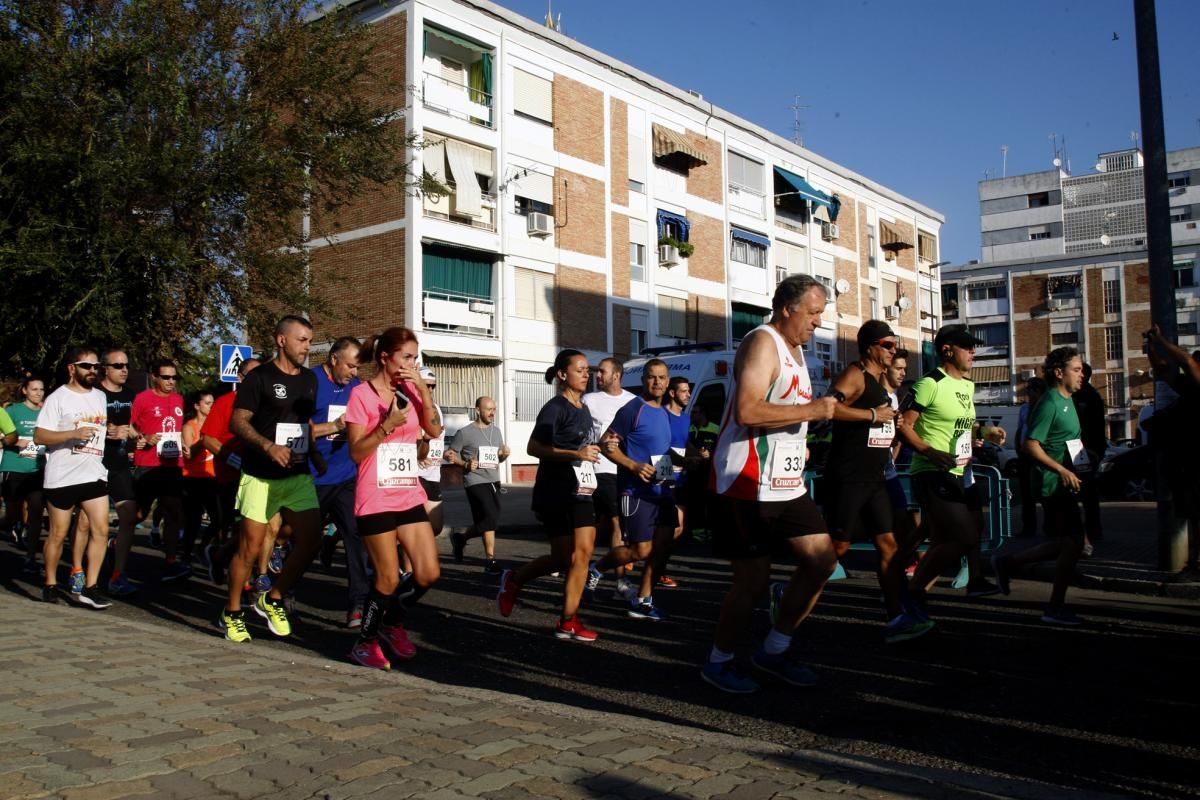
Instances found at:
x=155 y=413
x=217 y=426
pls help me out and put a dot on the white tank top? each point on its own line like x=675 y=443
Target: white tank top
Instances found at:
x=762 y=464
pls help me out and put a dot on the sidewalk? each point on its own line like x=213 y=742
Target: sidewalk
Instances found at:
x=95 y=706
x=1125 y=560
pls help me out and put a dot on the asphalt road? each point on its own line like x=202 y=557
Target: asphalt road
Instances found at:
x=1109 y=707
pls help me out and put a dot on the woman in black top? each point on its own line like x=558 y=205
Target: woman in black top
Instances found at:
x=563 y=442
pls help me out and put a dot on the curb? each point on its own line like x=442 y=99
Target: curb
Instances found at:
x=1176 y=590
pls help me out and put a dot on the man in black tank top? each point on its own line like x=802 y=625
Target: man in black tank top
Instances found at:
x=857 y=503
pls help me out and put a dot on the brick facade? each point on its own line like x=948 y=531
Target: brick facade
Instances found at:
x=621 y=337
x=579 y=213
x=392 y=53
x=1028 y=293
x=708 y=235
x=1137 y=283
x=1031 y=337
x=578 y=120
x=371 y=267
x=847 y=302
x=847 y=222
x=620 y=256
x=910 y=317
x=705 y=180
x=709 y=315
x=618 y=156
x=585 y=326
x=377 y=204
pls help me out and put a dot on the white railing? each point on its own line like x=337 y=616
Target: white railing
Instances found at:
x=458 y=313
x=747 y=199
x=457 y=99
x=444 y=207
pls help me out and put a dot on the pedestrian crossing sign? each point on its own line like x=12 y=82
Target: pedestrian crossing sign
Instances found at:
x=232 y=357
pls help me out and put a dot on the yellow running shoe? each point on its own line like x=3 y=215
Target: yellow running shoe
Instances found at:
x=275 y=615
x=233 y=623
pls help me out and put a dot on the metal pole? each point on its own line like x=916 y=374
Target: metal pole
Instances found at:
x=1172 y=532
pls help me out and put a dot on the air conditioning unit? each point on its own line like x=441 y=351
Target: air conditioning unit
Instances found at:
x=1026 y=374
x=539 y=224
x=1054 y=303
x=668 y=256
x=829 y=231
x=891 y=312
x=482 y=307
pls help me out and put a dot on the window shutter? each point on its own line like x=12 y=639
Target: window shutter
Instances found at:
x=533 y=96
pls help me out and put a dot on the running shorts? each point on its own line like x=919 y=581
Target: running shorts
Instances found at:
x=388 y=521
x=755 y=529
x=67 y=497
x=640 y=516
x=484 y=499
x=566 y=519
x=259 y=499
x=858 y=510
x=19 y=485
x=433 y=490
x=606 y=498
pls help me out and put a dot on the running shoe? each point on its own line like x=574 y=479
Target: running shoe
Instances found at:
x=176 y=571
x=593 y=580
x=490 y=567
x=782 y=666
x=728 y=677
x=904 y=627
x=50 y=595
x=396 y=640
x=370 y=655
x=506 y=598
x=646 y=610
x=233 y=625
x=275 y=563
x=76 y=582
x=1000 y=570
x=1088 y=550
x=91 y=597
x=1060 y=615
x=666 y=582
x=627 y=590
x=776 y=591
x=574 y=630
x=982 y=587
x=458 y=543
x=155 y=536
x=121 y=587
x=354 y=619
x=262 y=584
x=29 y=566
x=915 y=607
x=274 y=613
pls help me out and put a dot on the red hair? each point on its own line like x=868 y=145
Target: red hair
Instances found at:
x=389 y=341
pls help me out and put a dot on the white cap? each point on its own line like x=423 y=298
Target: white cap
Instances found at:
x=427 y=374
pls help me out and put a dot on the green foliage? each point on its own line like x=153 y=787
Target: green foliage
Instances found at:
x=685 y=248
x=156 y=161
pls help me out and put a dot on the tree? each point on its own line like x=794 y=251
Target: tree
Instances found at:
x=157 y=159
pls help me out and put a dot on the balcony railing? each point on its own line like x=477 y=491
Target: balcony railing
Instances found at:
x=457 y=99
x=444 y=207
x=747 y=199
x=460 y=314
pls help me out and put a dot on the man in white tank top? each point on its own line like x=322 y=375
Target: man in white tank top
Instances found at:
x=764 y=507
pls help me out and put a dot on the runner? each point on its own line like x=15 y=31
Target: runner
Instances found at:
x=336 y=379
x=758 y=471
x=858 y=505
x=679 y=394
x=639 y=443
x=906 y=516
x=479 y=448
x=431 y=464
x=1054 y=444
x=71 y=427
x=23 y=465
x=383 y=422
x=200 y=489
x=603 y=404
x=564 y=442
x=939 y=424
x=271 y=415
x=119 y=442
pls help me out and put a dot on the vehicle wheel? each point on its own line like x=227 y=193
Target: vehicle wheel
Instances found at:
x=1139 y=489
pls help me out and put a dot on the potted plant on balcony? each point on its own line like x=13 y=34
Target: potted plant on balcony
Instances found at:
x=685 y=248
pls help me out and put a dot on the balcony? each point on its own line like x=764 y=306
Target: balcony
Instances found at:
x=445 y=208
x=461 y=314
x=748 y=200
x=457 y=99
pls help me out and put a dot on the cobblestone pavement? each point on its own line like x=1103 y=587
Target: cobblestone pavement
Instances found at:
x=95 y=706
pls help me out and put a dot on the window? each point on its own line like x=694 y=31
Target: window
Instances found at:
x=830 y=292
x=992 y=335
x=1039 y=199
x=1186 y=328
x=636 y=126
x=871 y=246
x=533 y=190
x=1179 y=181
x=745 y=173
x=527 y=205
x=1185 y=274
x=1112 y=296
x=1114 y=343
x=1115 y=390
x=1064 y=333
x=533 y=96
x=1181 y=214
x=530 y=393
x=672 y=317
x=534 y=294
x=873 y=295
x=672 y=226
x=637 y=186
x=746 y=318
x=1037 y=234
x=995 y=291
x=637 y=250
x=926 y=246
x=639 y=327
x=950 y=300
x=748 y=248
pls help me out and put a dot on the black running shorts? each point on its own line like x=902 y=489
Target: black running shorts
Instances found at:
x=388 y=521
x=484 y=499
x=753 y=529
x=857 y=510
x=67 y=497
x=566 y=519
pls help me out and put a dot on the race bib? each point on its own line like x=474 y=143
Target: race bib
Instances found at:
x=1080 y=460
x=787 y=465
x=169 y=446
x=336 y=413
x=489 y=457
x=94 y=446
x=662 y=467
x=962 y=449
x=677 y=455
x=437 y=450
x=294 y=436
x=29 y=449
x=882 y=435
x=396 y=465
x=585 y=478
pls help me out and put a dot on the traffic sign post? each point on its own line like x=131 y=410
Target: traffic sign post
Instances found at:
x=232 y=358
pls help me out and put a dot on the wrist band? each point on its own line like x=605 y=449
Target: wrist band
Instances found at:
x=873 y=416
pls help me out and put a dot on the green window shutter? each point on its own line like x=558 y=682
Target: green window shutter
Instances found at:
x=457 y=272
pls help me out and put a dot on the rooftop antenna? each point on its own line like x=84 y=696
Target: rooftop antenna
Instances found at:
x=550 y=23
x=1133 y=137
x=1004 y=161
x=797 y=123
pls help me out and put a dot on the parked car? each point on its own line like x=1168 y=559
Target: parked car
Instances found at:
x=1128 y=475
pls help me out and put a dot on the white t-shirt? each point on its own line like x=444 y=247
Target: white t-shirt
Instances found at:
x=74 y=462
x=604 y=407
x=434 y=471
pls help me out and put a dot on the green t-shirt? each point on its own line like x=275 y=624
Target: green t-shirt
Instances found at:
x=1052 y=423
x=23 y=419
x=947 y=407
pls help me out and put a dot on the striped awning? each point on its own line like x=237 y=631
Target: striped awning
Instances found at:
x=893 y=237
x=669 y=144
x=993 y=374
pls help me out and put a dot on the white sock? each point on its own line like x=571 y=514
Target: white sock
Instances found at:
x=647 y=600
x=776 y=642
x=718 y=656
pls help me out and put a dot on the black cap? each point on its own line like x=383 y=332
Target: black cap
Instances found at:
x=871 y=332
x=959 y=335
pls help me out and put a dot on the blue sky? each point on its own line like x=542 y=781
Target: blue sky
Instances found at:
x=921 y=95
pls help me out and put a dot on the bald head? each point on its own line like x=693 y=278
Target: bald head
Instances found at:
x=485 y=409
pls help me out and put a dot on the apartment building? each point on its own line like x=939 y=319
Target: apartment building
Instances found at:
x=594 y=206
x=1065 y=263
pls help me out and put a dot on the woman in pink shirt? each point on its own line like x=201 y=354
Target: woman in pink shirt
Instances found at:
x=384 y=418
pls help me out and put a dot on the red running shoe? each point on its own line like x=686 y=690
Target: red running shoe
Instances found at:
x=395 y=638
x=369 y=655
x=667 y=582
x=506 y=598
x=574 y=630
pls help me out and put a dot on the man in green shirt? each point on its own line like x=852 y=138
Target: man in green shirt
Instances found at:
x=1054 y=445
x=939 y=424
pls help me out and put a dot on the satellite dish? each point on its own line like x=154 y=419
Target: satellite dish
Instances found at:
x=842 y=286
x=904 y=303
x=1101 y=166
x=1057 y=162
x=1105 y=239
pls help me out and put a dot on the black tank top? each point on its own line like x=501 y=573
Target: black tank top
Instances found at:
x=850 y=456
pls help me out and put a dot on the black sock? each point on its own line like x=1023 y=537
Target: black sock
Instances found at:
x=373 y=610
x=405 y=598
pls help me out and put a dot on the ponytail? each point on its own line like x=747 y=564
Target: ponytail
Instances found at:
x=387 y=342
x=561 y=362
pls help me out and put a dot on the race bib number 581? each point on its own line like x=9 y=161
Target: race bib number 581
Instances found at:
x=396 y=465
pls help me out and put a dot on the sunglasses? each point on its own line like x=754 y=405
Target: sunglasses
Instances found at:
x=86 y=364
x=167 y=377
x=122 y=365
x=887 y=345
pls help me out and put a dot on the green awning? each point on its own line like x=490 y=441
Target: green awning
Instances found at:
x=459 y=273
x=929 y=359
x=744 y=319
x=453 y=38
x=806 y=191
